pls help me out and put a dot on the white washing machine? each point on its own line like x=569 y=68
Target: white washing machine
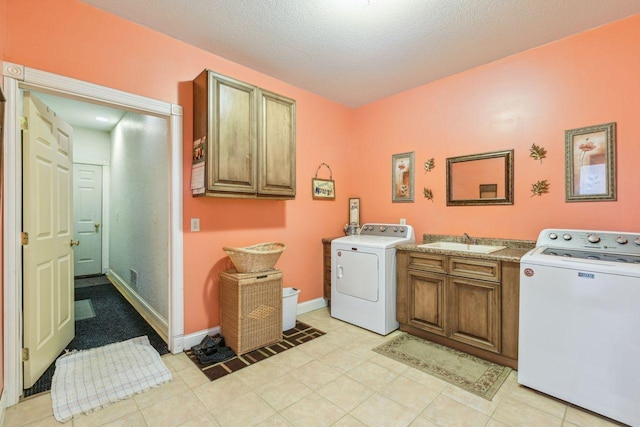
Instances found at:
x=579 y=339
x=363 y=276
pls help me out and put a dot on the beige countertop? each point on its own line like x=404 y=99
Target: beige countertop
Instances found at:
x=328 y=239
x=514 y=250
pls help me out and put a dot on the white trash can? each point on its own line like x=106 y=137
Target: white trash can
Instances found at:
x=289 y=308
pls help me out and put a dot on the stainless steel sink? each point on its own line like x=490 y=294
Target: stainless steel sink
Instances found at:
x=462 y=247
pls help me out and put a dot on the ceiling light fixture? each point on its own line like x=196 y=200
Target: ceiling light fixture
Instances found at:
x=102 y=119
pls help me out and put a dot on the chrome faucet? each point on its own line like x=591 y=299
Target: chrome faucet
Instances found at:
x=468 y=240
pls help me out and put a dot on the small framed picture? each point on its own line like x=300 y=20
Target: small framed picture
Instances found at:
x=402 y=177
x=590 y=163
x=323 y=189
x=488 y=191
x=354 y=210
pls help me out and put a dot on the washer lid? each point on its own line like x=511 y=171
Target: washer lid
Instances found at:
x=537 y=256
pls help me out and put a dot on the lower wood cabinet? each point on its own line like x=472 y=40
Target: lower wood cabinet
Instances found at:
x=326 y=269
x=465 y=303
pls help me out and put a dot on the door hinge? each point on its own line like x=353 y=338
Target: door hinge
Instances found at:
x=24 y=123
x=25 y=354
x=25 y=238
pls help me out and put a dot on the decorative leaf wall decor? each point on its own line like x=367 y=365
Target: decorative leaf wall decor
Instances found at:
x=537 y=152
x=539 y=188
x=429 y=165
x=428 y=194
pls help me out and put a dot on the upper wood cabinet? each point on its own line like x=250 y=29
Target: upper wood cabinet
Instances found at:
x=251 y=138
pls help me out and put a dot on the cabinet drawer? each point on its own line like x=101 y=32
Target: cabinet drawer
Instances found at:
x=475 y=268
x=428 y=262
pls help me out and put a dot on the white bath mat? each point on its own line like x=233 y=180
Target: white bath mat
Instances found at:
x=84 y=309
x=86 y=380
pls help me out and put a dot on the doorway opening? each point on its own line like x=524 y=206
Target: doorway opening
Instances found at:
x=123 y=151
x=18 y=78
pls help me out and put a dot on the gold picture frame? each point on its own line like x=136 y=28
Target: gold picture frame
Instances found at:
x=323 y=189
x=590 y=163
x=402 y=184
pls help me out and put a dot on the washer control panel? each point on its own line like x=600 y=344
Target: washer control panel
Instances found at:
x=388 y=230
x=606 y=241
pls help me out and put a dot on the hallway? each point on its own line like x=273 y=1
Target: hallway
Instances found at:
x=115 y=320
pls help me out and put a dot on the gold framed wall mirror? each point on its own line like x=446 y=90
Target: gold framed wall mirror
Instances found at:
x=480 y=179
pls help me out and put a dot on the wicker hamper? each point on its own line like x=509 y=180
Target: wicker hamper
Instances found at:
x=251 y=309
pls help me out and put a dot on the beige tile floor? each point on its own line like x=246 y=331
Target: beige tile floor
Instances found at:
x=335 y=380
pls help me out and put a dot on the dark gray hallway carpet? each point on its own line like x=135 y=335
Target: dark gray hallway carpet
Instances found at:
x=116 y=320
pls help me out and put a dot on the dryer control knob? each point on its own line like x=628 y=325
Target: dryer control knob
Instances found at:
x=402 y=229
x=383 y=228
x=593 y=238
x=395 y=229
x=622 y=240
x=553 y=236
x=637 y=241
x=566 y=236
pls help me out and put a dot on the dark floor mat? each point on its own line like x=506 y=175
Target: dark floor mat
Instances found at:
x=300 y=334
x=116 y=320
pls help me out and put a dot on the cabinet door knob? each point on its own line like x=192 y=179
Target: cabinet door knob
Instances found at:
x=73 y=243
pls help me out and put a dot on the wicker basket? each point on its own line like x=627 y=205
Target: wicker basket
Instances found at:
x=250 y=309
x=256 y=258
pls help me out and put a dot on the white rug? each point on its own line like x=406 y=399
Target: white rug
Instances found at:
x=84 y=309
x=86 y=380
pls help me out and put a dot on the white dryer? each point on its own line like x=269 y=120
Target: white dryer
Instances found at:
x=363 y=276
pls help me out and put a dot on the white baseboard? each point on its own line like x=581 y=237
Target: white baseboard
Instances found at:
x=190 y=340
x=154 y=318
x=3 y=406
x=314 y=304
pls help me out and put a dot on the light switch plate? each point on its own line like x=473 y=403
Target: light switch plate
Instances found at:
x=195 y=224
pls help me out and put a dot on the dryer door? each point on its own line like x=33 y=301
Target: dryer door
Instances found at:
x=357 y=274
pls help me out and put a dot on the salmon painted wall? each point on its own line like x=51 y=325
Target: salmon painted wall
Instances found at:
x=91 y=45
x=531 y=97
x=527 y=98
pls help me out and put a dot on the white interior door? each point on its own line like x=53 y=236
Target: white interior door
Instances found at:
x=87 y=219
x=48 y=316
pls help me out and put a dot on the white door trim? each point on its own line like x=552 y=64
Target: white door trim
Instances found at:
x=17 y=77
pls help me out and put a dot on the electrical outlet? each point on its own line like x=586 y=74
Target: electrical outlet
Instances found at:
x=195 y=224
x=403 y=221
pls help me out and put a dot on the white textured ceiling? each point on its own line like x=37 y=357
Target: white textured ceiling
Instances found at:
x=354 y=51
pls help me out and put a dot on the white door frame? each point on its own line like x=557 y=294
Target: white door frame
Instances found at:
x=17 y=77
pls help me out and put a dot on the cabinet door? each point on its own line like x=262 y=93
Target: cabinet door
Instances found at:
x=427 y=301
x=277 y=142
x=474 y=312
x=232 y=135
